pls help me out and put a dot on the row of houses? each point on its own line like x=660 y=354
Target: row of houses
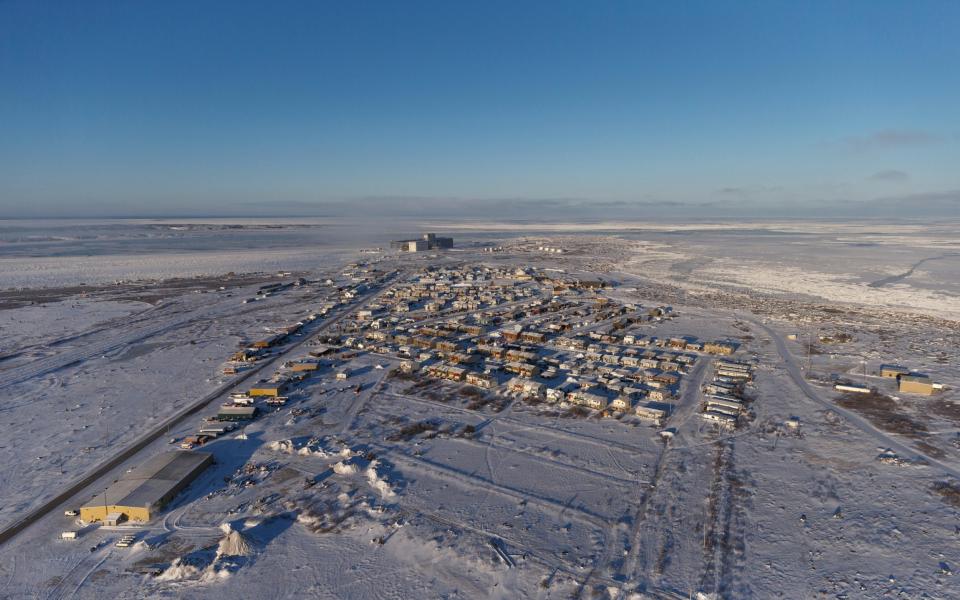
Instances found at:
x=260 y=348
x=362 y=278
x=527 y=341
x=723 y=401
x=589 y=396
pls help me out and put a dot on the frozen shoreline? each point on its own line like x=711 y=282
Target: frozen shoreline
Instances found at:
x=69 y=271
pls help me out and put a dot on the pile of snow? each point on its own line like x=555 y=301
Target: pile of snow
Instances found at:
x=308 y=451
x=213 y=574
x=342 y=468
x=231 y=555
x=233 y=543
x=284 y=446
x=178 y=570
x=313 y=447
x=377 y=482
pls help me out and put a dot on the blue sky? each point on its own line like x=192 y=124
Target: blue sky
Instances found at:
x=179 y=107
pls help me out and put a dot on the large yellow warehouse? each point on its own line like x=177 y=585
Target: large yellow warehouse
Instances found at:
x=140 y=493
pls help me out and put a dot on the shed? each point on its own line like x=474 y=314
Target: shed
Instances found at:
x=114 y=518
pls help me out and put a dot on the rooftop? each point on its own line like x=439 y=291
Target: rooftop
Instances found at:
x=147 y=483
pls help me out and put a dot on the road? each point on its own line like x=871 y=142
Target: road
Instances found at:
x=643 y=528
x=883 y=439
x=12 y=529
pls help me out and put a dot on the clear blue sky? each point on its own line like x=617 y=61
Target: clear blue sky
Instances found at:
x=170 y=105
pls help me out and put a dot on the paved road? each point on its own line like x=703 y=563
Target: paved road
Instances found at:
x=12 y=529
x=883 y=439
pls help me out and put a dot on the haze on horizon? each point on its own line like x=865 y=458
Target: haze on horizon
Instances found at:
x=493 y=109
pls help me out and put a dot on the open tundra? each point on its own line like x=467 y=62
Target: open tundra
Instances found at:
x=651 y=412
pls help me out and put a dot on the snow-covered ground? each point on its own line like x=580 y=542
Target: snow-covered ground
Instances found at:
x=27 y=325
x=325 y=498
x=911 y=269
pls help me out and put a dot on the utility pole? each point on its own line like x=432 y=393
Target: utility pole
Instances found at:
x=810 y=350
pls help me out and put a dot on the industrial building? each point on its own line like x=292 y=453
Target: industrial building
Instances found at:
x=893 y=371
x=238 y=413
x=411 y=245
x=268 y=390
x=305 y=367
x=429 y=241
x=435 y=241
x=916 y=384
x=144 y=490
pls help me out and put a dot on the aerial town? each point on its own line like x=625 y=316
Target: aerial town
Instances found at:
x=607 y=422
x=479 y=300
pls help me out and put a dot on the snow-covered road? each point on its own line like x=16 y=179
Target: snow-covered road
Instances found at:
x=883 y=439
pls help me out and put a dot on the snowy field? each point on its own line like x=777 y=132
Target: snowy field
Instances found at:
x=344 y=494
x=25 y=326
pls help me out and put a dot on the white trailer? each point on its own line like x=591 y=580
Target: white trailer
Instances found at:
x=726 y=397
x=732 y=374
x=719 y=417
x=727 y=404
x=733 y=412
x=857 y=389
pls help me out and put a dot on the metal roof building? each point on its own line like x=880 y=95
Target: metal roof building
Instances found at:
x=237 y=413
x=148 y=487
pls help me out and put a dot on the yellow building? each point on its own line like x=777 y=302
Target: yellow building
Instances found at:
x=916 y=384
x=718 y=348
x=305 y=367
x=144 y=490
x=268 y=390
x=893 y=371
